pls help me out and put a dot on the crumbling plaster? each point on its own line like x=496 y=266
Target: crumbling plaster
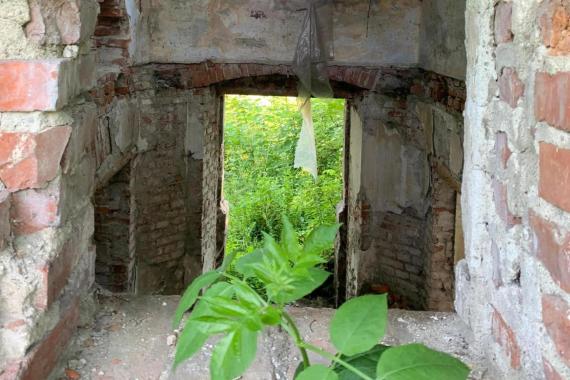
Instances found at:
x=258 y=31
x=499 y=251
x=408 y=33
x=442 y=37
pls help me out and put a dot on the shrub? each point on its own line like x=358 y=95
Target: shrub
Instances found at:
x=287 y=271
x=260 y=182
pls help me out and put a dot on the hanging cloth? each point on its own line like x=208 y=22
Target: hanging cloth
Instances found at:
x=310 y=65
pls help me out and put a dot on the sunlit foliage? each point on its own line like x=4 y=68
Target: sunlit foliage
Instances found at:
x=260 y=182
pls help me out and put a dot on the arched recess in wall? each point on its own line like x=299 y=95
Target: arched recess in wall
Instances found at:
x=393 y=236
x=177 y=114
x=214 y=209
x=115 y=261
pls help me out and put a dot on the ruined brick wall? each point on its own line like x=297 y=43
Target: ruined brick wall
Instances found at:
x=159 y=196
x=513 y=286
x=113 y=36
x=47 y=176
x=114 y=263
x=73 y=112
x=405 y=171
x=439 y=105
x=388 y=200
x=440 y=246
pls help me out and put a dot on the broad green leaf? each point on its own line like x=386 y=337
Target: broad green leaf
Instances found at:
x=359 y=324
x=304 y=286
x=271 y=316
x=196 y=333
x=207 y=320
x=228 y=260
x=190 y=341
x=309 y=261
x=244 y=263
x=416 y=361
x=289 y=239
x=233 y=354
x=365 y=362
x=191 y=294
x=226 y=306
x=320 y=239
x=317 y=372
x=233 y=312
x=247 y=295
x=273 y=250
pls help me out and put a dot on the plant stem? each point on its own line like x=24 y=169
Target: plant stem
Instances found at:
x=298 y=340
x=334 y=358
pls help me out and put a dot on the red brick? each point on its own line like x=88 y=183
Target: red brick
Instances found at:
x=110 y=10
x=72 y=374
x=506 y=338
x=552 y=99
x=503 y=22
x=553 y=255
x=44 y=357
x=55 y=276
x=107 y=30
x=68 y=20
x=511 y=89
x=502 y=150
x=554 y=175
x=35 y=28
x=554 y=24
x=549 y=371
x=34 y=210
x=500 y=198
x=556 y=318
x=30 y=160
x=29 y=85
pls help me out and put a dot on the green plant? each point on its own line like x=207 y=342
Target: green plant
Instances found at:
x=289 y=271
x=260 y=182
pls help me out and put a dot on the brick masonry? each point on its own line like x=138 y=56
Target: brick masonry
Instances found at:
x=114 y=264
x=161 y=257
x=512 y=288
x=554 y=21
x=506 y=338
x=554 y=171
x=516 y=186
x=405 y=244
x=30 y=160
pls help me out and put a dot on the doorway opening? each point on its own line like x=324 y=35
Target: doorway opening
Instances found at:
x=260 y=182
x=115 y=256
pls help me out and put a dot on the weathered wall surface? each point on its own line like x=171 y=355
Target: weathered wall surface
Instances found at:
x=401 y=212
x=47 y=176
x=442 y=37
x=258 y=31
x=513 y=285
x=74 y=111
x=212 y=184
x=159 y=196
x=114 y=262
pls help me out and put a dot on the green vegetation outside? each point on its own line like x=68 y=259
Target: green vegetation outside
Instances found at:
x=260 y=182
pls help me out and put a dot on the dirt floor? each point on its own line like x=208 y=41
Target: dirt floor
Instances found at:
x=131 y=338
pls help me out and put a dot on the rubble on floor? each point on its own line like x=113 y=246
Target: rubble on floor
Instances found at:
x=131 y=338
